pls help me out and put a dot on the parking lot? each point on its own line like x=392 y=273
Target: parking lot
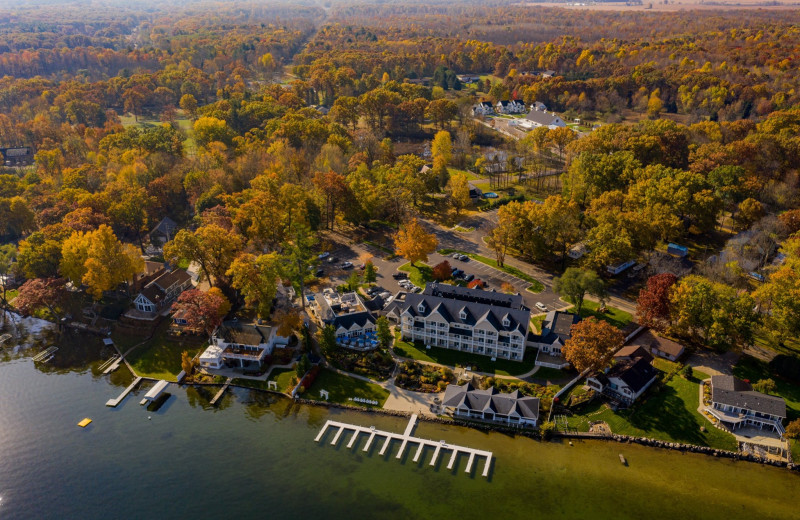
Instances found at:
x=494 y=278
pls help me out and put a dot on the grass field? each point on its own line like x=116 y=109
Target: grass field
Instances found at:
x=341 y=388
x=614 y=316
x=451 y=358
x=419 y=274
x=282 y=375
x=668 y=414
x=184 y=124
x=160 y=357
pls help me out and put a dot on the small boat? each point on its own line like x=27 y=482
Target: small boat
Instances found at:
x=622 y=460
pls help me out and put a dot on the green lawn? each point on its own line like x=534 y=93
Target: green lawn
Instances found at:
x=552 y=374
x=752 y=369
x=419 y=274
x=669 y=414
x=160 y=357
x=537 y=321
x=614 y=316
x=341 y=388
x=536 y=285
x=470 y=176
x=451 y=358
x=282 y=375
x=764 y=339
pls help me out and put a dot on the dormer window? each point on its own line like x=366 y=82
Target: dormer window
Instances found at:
x=463 y=315
x=421 y=307
x=506 y=322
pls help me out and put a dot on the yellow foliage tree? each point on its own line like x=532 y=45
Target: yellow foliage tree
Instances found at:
x=98 y=260
x=413 y=243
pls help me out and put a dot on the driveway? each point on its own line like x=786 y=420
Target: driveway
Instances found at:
x=713 y=364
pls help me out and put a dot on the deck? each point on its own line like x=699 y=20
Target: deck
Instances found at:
x=406 y=438
x=221 y=391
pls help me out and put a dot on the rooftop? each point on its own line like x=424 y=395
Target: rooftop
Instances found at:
x=731 y=391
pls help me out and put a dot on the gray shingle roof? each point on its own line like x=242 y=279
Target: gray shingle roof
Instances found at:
x=542 y=118
x=556 y=325
x=491 y=399
x=449 y=304
x=731 y=391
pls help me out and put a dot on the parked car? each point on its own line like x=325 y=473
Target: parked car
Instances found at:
x=416 y=289
x=362 y=267
x=319 y=273
x=385 y=295
x=347 y=265
x=457 y=256
x=400 y=276
x=324 y=255
x=332 y=259
x=469 y=278
x=542 y=307
x=458 y=273
x=463 y=258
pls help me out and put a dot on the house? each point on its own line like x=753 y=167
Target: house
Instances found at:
x=512 y=409
x=151 y=271
x=162 y=291
x=537 y=118
x=241 y=345
x=484 y=108
x=468 y=78
x=538 y=105
x=618 y=268
x=556 y=330
x=658 y=346
x=468 y=320
x=350 y=317
x=510 y=107
x=19 y=156
x=736 y=404
x=631 y=353
x=625 y=381
x=475 y=192
x=163 y=232
x=577 y=251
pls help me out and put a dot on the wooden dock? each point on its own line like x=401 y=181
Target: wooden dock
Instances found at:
x=45 y=355
x=114 y=402
x=221 y=391
x=406 y=438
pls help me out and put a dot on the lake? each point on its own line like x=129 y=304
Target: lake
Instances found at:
x=254 y=457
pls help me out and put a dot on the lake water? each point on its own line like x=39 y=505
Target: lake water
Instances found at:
x=254 y=457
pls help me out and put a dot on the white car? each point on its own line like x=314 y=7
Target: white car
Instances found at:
x=347 y=265
x=324 y=255
x=542 y=307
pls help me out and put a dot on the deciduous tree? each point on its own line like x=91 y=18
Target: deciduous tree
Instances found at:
x=575 y=283
x=413 y=243
x=202 y=311
x=256 y=278
x=592 y=344
x=653 y=307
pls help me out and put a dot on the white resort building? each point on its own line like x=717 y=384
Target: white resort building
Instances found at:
x=469 y=320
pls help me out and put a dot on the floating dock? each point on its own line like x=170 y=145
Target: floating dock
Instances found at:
x=221 y=391
x=406 y=438
x=114 y=402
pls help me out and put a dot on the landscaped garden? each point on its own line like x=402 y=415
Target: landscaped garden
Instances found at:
x=419 y=274
x=423 y=378
x=452 y=358
x=667 y=411
x=341 y=388
x=377 y=364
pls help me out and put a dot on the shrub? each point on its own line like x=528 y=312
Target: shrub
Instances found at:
x=687 y=372
x=793 y=429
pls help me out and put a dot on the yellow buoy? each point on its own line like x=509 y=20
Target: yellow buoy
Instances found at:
x=84 y=423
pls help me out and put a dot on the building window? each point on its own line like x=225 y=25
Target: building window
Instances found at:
x=462 y=315
x=421 y=307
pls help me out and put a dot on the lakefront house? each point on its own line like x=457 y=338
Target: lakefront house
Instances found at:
x=556 y=330
x=737 y=405
x=513 y=409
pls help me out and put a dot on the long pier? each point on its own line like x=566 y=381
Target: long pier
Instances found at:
x=114 y=402
x=406 y=438
x=221 y=391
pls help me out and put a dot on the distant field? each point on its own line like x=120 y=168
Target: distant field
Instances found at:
x=672 y=6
